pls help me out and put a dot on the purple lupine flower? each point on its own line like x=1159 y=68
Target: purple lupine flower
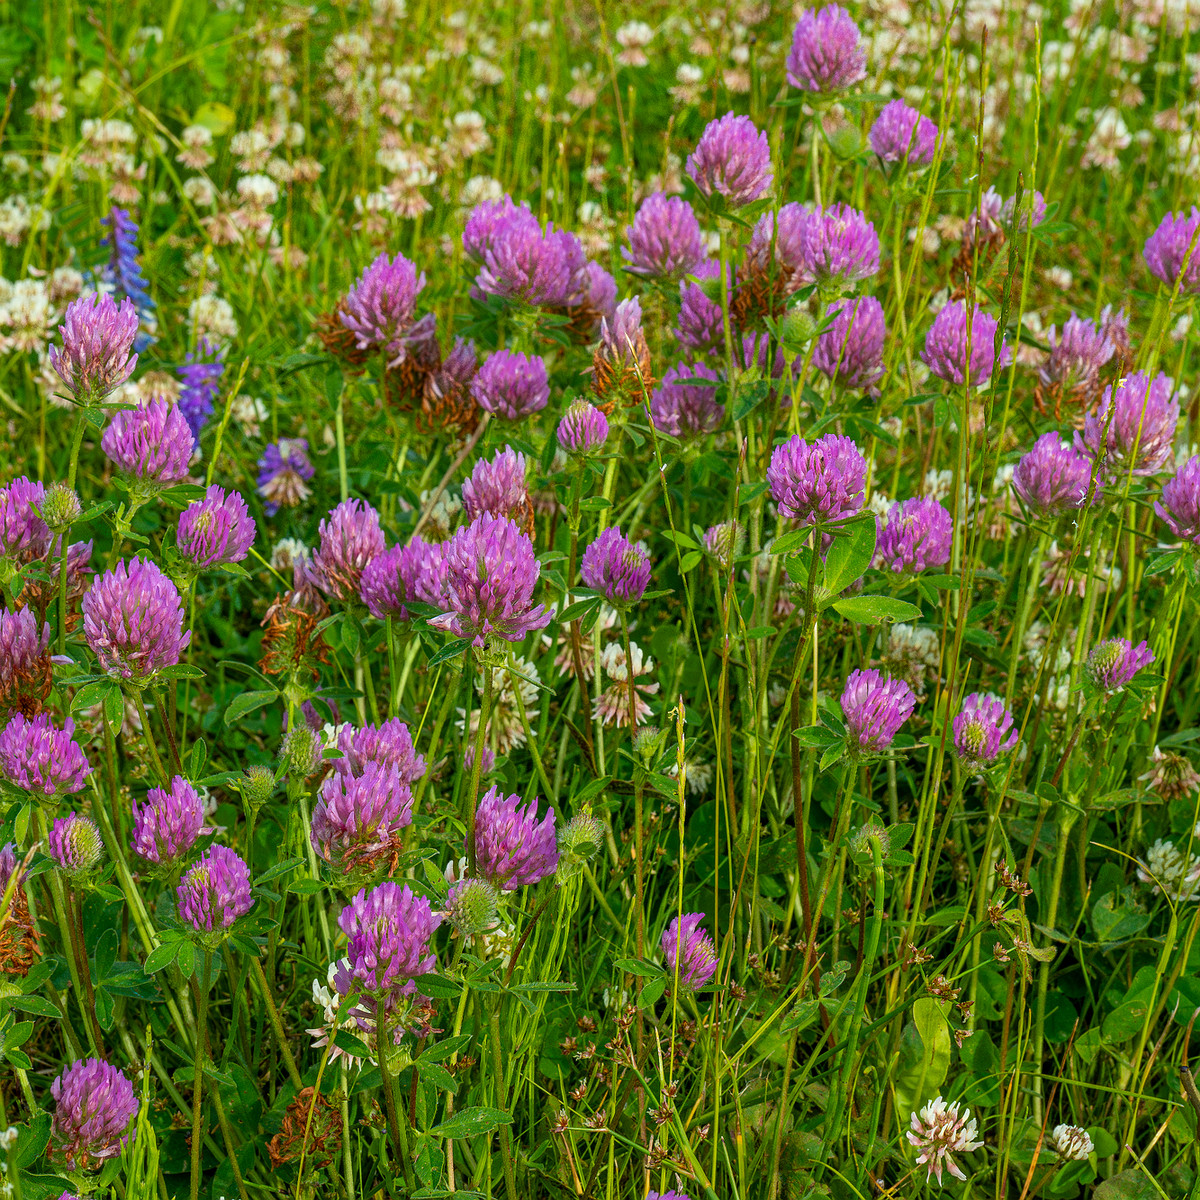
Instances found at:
x=839 y=245
x=283 y=474
x=525 y=262
x=512 y=849
x=215 y=892
x=850 y=350
x=1076 y=355
x=875 y=706
x=1033 y=205
x=133 y=621
x=350 y=537
x=200 y=375
x=1180 y=503
x=24 y=536
x=776 y=248
x=1133 y=430
x=665 y=241
x=485 y=218
x=1053 y=477
x=40 y=758
x=94 y=1106
x=1115 y=661
x=25 y=662
x=979 y=731
x=902 y=135
x=388 y=745
x=511 y=385
x=497 y=487
x=945 y=352
x=825 y=54
x=732 y=160
x=75 y=845
x=358 y=817
x=379 y=308
x=596 y=298
x=986 y=223
x=685 y=406
x=583 y=429
x=151 y=443
x=389 y=930
x=616 y=568
x=167 y=824
x=96 y=355
x=916 y=534
x=818 y=483
x=123 y=271
x=690 y=952
x=1168 y=246
x=700 y=324
x=216 y=530
x=394 y=579
x=491 y=571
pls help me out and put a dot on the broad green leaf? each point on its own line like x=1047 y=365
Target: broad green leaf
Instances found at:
x=872 y=610
x=471 y=1122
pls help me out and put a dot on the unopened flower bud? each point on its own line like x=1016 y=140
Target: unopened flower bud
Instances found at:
x=648 y=744
x=845 y=141
x=471 y=906
x=301 y=753
x=258 y=782
x=578 y=843
x=796 y=329
x=61 y=507
x=861 y=839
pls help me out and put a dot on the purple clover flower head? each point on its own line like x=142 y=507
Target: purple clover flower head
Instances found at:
x=389 y=930
x=916 y=534
x=776 y=247
x=97 y=351
x=379 y=308
x=666 y=1196
x=40 y=758
x=24 y=536
x=1033 y=205
x=358 y=817
x=980 y=729
x=75 y=845
x=839 y=246
x=25 y=663
x=167 y=824
x=1167 y=247
x=724 y=542
x=946 y=345
x=616 y=568
x=497 y=487
x=1115 y=661
x=216 y=530
x=133 y=621
x=491 y=571
x=875 y=706
x=283 y=474
x=1053 y=477
x=902 y=135
x=397 y=577
x=388 y=745
x=818 y=483
x=731 y=160
x=525 y=262
x=511 y=385
x=700 y=325
x=1133 y=430
x=850 y=350
x=215 y=892
x=583 y=429
x=684 y=406
x=690 y=952
x=512 y=849
x=201 y=377
x=664 y=240
x=1076 y=355
x=487 y=761
x=151 y=443
x=622 y=359
x=1180 y=503
x=597 y=297
x=10 y=863
x=826 y=55
x=350 y=537
x=94 y=1106
x=484 y=220
x=986 y=223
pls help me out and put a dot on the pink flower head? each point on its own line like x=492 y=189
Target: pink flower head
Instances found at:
x=512 y=849
x=732 y=160
x=97 y=351
x=133 y=621
x=826 y=55
x=351 y=537
x=94 y=1106
x=875 y=706
x=690 y=952
x=216 y=530
x=818 y=483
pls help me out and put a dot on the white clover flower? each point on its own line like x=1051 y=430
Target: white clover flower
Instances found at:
x=1070 y=1143
x=940 y=1130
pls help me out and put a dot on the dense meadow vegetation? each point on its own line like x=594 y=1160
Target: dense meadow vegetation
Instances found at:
x=599 y=600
